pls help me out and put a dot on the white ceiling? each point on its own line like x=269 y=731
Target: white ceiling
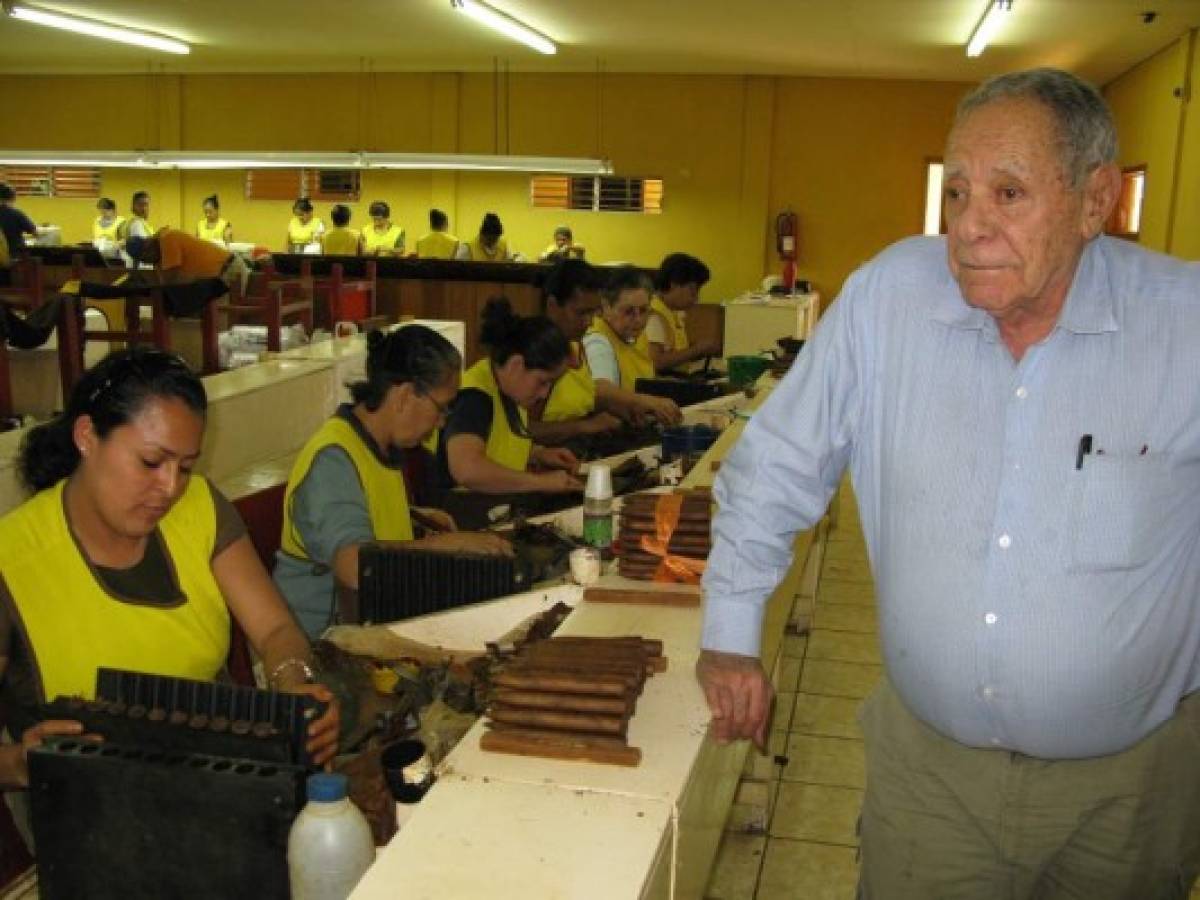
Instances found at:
x=919 y=39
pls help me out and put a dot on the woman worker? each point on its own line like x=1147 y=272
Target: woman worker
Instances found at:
x=486 y=445
x=677 y=285
x=616 y=345
x=346 y=488
x=304 y=230
x=381 y=237
x=123 y=558
x=578 y=404
x=341 y=239
x=489 y=245
x=107 y=225
x=212 y=227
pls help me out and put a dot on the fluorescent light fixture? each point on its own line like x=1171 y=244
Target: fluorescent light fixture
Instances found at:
x=93 y=28
x=484 y=163
x=988 y=25
x=506 y=25
x=234 y=159
x=933 y=198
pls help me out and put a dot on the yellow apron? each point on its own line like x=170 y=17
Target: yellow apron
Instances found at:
x=214 y=233
x=437 y=245
x=574 y=394
x=375 y=243
x=675 y=327
x=75 y=626
x=632 y=359
x=499 y=252
x=111 y=231
x=504 y=446
x=302 y=235
x=127 y=224
x=340 y=242
x=387 y=496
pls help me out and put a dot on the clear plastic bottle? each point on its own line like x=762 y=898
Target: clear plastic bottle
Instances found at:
x=598 y=508
x=330 y=844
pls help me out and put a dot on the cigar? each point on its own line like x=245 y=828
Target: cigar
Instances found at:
x=562 y=683
x=560 y=745
x=588 y=723
x=610 y=706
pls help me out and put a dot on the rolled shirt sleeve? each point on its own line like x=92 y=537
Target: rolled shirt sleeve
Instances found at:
x=601 y=358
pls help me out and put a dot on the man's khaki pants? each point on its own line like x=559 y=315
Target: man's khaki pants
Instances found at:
x=941 y=821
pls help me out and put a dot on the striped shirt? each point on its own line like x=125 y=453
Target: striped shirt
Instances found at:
x=1031 y=597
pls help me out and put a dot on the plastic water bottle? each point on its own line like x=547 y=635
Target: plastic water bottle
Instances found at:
x=330 y=844
x=598 y=508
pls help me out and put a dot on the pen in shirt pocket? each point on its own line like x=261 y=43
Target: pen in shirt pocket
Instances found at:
x=1084 y=449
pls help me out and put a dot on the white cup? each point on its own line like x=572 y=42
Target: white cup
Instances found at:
x=585 y=565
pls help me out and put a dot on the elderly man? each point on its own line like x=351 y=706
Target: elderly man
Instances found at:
x=1019 y=409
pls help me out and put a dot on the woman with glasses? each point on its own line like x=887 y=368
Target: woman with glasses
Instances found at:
x=347 y=489
x=123 y=558
x=616 y=346
x=486 y=445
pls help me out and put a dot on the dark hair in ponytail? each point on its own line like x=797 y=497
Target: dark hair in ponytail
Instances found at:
x=112 y=393
x=212 y=199
x=413 y=354
x=535 y=338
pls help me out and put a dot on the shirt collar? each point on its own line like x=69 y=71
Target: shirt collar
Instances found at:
x=392 y=459
x=1090 y=307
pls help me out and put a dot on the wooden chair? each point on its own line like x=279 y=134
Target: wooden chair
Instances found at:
x=269 y=300
x=28 y=287
x=262 y=512
x=341 y=295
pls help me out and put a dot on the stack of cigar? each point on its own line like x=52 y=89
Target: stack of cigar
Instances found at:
x=692 y=538
x=572 y=698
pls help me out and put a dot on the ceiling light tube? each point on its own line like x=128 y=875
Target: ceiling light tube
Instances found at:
x=486 y=163
x=101 y=159
x=224 y=159
x=93 y=28
x=506 y=25
x=988 y=25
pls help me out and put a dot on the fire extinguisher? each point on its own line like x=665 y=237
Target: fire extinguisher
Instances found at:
x=787 y=228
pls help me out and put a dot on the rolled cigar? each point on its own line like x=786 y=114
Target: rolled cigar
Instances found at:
x=582 y=657
x=630 y=680
x=588 y=723
x=652 y=646
x=560 y=745
x=619 y=652
x=562 y=683
x=611 y=706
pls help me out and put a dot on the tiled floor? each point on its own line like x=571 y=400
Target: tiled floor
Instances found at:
x=808 y=849
x=805 y=849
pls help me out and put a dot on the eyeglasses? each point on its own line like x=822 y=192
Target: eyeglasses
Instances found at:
x=442 y=408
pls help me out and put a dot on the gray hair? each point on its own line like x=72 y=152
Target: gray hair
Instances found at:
x=1087 y=135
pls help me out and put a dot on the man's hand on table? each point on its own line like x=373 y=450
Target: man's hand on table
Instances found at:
x=740 y=695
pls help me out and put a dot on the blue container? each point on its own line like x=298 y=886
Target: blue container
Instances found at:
x=688 y=442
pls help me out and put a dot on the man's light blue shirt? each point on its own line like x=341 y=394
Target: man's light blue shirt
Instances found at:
x=1030 y=598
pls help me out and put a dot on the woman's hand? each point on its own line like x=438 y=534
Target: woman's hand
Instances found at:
x=435 y=519
x=16 y=768
x=483 y=542
x=558 y=482
x=322 y=732
x=600 y=423
x=661 y=409
x=556 y=458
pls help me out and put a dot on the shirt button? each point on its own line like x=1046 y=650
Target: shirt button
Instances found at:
x=1004 y=541
x=1022 y=393
x=990 y=618
x=988 y=693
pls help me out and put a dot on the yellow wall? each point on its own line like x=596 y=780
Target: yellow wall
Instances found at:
x=1185 y=224
x=732 y=150
x=1147 y=113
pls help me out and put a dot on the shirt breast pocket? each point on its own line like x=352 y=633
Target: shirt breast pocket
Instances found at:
x=1119 y=508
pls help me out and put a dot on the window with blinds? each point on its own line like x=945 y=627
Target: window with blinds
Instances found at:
x=599 y=193
x=52 y=181
x=320 y=185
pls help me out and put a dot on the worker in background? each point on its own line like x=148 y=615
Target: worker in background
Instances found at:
x=563 y=246
x=382 y=237
x=616 y=345
x=677 y=289
x=304 y=230
x=486 y=445
x=14 y=224
x=212 y=227
x=146 y=562
x=578 y=404
x=106 y=227
x=341 y=239
x=138 y=223
x=489 y=245
x=180 y=258
x=438 y=243
x=347 y=489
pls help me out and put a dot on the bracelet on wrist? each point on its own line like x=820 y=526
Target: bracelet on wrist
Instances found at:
x=292 y=662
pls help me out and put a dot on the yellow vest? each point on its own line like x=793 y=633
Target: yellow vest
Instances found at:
x=299 y=233
x=437 y=245
x=111 y=231
x=127 y=224
x=215 y=233
x=675 y=328
x=632 y=359
x=499 y=252
x=340 y=242
x=504 y=447
x=375 y=243
x=75 y=626
x=387 y=497
x=574 y=394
